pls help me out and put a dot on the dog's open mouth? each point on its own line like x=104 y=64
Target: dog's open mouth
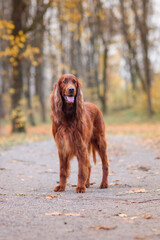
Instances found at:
x=69 y=99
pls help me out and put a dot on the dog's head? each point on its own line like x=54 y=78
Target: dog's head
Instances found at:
x=68 y=85
x=67 y=91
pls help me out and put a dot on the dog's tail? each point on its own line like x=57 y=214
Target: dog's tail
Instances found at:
x=94 y=155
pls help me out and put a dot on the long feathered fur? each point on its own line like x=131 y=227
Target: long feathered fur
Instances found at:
x=77 y=127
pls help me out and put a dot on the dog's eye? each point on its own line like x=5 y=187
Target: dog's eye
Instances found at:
x=65 y=81
x=74 y=81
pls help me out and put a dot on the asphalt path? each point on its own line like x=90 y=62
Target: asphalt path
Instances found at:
x=128 y=209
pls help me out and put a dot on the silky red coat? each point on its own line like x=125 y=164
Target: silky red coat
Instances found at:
x=78 y=128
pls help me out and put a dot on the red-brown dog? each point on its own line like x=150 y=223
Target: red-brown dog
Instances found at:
x=78 y=127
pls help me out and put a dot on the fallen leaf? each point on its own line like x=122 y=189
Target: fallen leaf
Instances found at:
x=2 y=194
x=157 y=157
x=120 y=215
x=128 y=202
x=134 y=217
x=51 y=196
x=103 y=227
x=148 y=216
x=154 y=229
x=106 y=228
x=130 y=166
x=121 y=160
x=141 y=237
x=140 y=177
x=1 y=169
x=14 y=161
x=69 y=230
x=141 y=190
x=142 y=168
x=20 y=194
x=65 y=214
x=53 y=214
x=147 y=236
x=73 y=214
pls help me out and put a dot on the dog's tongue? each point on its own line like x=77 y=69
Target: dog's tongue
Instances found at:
x=70 y=99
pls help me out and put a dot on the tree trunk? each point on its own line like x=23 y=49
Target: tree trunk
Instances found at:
x=18 y=124
x=145 y=43
x=40 y=90
x=39 y=41
x=28 y=93
x=144 y=32
x=62 y=38
x=104 y=96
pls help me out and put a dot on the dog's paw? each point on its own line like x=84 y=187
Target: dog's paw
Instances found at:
x=80 y=190
x=104 y=185
x=59 y=188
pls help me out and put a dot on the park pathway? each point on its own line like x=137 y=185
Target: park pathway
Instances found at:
x=129 y=209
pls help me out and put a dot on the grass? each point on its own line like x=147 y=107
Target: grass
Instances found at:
x=33 y=134
x=129 y=116
x=127 y=122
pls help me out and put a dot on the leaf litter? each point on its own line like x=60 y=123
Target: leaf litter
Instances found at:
x=65 y=214
x=140 y=190
x=99 y=227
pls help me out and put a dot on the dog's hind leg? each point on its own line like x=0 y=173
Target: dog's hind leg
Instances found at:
x=101 y=147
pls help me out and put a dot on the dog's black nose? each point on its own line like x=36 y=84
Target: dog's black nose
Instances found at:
x=71 y=90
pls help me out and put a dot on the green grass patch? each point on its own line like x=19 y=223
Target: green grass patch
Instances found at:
x=129 y=116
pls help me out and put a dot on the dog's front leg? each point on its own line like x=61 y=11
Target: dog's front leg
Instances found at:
x=83 y=161
x=64 y=172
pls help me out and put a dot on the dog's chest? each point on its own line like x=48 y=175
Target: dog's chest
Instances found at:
x=67 y=138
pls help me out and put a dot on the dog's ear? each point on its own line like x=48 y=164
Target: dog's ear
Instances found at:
x=79 y=102
x=56 y=102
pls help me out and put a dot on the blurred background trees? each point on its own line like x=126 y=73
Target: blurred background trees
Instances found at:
x=112 y=46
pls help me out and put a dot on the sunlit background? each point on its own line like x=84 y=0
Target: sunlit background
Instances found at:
x=111 y=46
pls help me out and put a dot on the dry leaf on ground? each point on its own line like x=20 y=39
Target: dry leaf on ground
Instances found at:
x=75 y=215
x=69 y=230
x=147 y=236
x=148 y=216
x=142 y=168
x=140 y=177
x=121 y=214
x=51 y=196
x=134 y=217
x=65 y=214
x=141 y=190
x=20 y=194
x=99 y=227
x=53 y=214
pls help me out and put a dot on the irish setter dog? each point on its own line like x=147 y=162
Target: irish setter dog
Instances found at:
x=78 y=128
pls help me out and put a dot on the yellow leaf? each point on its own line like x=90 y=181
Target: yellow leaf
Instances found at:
x=141 y=190
x=20 y=32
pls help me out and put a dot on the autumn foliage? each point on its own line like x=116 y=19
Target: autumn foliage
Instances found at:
x=110 y=47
